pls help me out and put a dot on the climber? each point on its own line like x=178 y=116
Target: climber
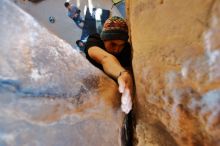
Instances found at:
x=74 y=14
x=111 y=52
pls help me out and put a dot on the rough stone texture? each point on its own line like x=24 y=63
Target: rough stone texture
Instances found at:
x=49 y=94
x=176 y=62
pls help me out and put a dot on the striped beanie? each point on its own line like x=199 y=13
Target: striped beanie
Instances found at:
x=115 y=28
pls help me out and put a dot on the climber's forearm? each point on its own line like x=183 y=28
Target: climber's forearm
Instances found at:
x=110 y=64
x=112 y=67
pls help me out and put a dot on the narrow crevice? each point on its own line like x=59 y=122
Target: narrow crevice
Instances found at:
x=127 y=130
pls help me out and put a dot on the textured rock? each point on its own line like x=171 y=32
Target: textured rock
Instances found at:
x=49 y=94
x=176 y=63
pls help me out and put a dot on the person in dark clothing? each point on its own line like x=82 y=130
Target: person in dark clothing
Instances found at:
x=74 y=14
x=111 y=52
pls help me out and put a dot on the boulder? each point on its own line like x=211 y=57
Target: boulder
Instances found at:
x=50 y=95
x=176 y=59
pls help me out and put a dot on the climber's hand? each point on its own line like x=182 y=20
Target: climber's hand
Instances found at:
x=126 y=88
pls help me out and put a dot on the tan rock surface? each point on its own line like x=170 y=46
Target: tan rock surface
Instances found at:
x=176 y=59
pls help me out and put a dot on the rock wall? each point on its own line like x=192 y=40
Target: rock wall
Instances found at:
x=176 y=63
x=50 y=95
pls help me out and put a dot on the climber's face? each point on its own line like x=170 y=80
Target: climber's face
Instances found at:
x=114 y=46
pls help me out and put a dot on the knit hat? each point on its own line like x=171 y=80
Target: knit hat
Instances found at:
x=115 y=28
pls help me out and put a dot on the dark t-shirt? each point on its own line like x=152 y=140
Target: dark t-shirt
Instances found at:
x=124 y=57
